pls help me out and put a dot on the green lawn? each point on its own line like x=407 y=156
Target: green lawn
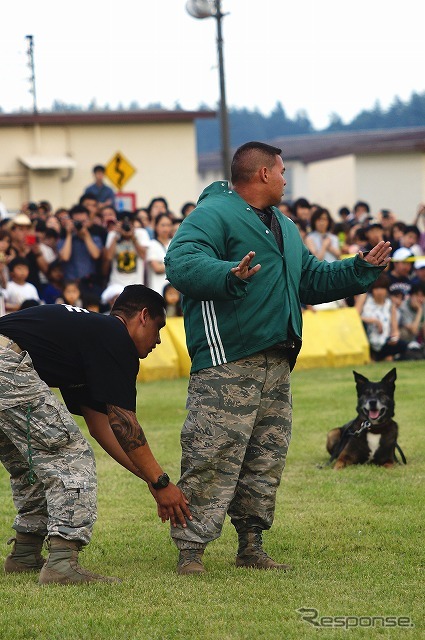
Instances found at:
x=354 y=538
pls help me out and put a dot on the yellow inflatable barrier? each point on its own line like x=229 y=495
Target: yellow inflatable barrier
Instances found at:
x=331 y=338
x=163 y=363
x=178 y=336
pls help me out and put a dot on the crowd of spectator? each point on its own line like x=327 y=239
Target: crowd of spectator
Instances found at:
x=84 y=256
x=393 y=310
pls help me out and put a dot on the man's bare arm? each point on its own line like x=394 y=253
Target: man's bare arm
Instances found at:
x=131 y=438
x=100 y=429
x=126 y=428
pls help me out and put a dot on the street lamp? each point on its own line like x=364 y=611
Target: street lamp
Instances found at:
x=212 y=9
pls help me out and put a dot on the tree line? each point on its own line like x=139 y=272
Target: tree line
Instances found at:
x=246 y=124
x=253 y=125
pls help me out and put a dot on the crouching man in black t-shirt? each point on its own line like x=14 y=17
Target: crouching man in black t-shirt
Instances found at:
x=94 y=360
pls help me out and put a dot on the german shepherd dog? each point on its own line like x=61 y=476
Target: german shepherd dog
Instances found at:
x=372 y=435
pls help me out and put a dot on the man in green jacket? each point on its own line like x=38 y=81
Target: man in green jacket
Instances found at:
x=243 y=330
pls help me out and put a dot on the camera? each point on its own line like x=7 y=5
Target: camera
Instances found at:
x=78 y=225
x=385 y=213
x=126 y=218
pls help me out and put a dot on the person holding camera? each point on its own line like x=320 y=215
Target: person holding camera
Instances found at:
x=79 y=251
x=125 y=253
x=24 y=243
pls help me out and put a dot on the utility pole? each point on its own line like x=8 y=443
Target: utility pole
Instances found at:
x=30 y=53
x=212 y=9
x=224 y=115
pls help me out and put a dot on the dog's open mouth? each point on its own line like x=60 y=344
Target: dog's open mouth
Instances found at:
x=374 y=414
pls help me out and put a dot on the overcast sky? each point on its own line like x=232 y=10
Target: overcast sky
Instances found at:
x=320 y=56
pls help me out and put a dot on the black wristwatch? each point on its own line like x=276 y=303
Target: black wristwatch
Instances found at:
x=162 y=482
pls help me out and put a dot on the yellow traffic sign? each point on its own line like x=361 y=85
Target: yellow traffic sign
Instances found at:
x=119 y=170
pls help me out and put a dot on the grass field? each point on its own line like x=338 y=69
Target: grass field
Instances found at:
x=354 y=538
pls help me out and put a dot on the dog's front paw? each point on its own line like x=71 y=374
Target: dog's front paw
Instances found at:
x=339 y=464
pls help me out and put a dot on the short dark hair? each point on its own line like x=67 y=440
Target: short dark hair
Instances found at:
x=88 y=196
x=249 y=157
x=56 y=264
x=418 y=287
x=301 y=202
x=51 y=233
x=382 y=282
x=18 y=261
x=27 y=304
x=374 y=225
x=185 y=207
x=136 y=297
x=78 y=208
x=98 y=167
x=40 y=226
x=361 y=204
x=412 y=228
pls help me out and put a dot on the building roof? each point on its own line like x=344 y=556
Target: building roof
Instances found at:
x=321 y=146
x=42 y=163
x=100 y=117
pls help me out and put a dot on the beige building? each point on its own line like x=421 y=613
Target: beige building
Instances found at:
x=50 y=156
x=385 y=168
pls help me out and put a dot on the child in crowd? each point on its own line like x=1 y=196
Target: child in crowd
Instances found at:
x=410 y=240
x=54 y=287
x=18 y=289
x=379 y=316
x=71 y=294
x=172 y=299
x=412 y=314
x=91 y=302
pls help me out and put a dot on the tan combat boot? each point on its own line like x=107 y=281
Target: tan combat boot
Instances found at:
x=62 y=564
x=251 y=553
x=26 y=554
x=190 y=562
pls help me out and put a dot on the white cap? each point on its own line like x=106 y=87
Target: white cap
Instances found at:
x=401 y=254
x=420 y=264
x=111 y=292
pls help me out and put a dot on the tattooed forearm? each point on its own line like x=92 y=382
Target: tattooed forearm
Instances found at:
x=127 y=430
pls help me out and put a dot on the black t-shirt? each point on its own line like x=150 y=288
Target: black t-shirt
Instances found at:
x=90 y=357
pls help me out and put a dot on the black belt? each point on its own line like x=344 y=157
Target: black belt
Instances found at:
x=9 y=344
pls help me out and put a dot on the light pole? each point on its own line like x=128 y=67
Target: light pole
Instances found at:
x=31 y=65
x=212 y=9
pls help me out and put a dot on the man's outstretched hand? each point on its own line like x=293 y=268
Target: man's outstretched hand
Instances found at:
x=244 y=270
x=379 y=256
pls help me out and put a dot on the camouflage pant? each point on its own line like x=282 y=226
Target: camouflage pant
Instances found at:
x=62 y=500
x=234 y=444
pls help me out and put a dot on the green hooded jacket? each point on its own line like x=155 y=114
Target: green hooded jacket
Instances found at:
x=227 y=318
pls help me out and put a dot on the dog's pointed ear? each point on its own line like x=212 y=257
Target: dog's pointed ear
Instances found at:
x=390 y=378
x=360 y=380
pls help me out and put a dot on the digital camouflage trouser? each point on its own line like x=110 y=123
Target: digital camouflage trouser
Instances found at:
x=62 y=499
x=234 y=444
